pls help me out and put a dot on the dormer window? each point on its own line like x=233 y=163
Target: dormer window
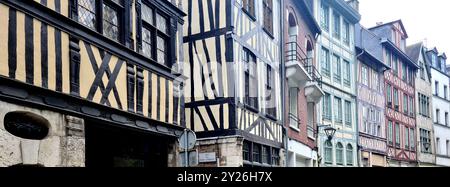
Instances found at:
x=434 y=60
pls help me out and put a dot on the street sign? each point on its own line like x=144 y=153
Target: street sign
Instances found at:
x=187 y=140
x=207 y=157
x=192 y=158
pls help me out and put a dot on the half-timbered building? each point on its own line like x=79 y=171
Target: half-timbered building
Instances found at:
x=303 y=83
x=233 y=95
x=400 y=95
x=370 y=99
x=90 y=82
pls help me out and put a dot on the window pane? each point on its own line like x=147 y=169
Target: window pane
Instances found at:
x=86 y=13
x=147 y=14
x=110 y=23
x=146 y=42
x=161 y=23
x=161 y=53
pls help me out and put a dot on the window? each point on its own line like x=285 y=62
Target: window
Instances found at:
x=405 y=104
x=446 y=119
x=268 y=16
x=425 y=141
x=395 y=65
x=325 y=17
x=424 y=105
x=346 y=36
x=347 y=73
x=390 y=133
x=325 y=59
x=327 y=106
x=388 y=57
x=412 y=139
x=422 y=70
x=438 y=146
x=256 y=153
x=438 y=116
x=364 y=75
x=349 y=155
x=406 y=133
x=397 y=135
x=336 y=25
x=375 y=81
x=436 y=88
x=108 y=22
x=337 y=68
x=155 y=38
x=445 y=92
x=338 y=110
x=328 y=152
x=270 y=99
x=404 y=72
x=266 y=155
x=348 y=113
x=251 y=80
x=249 y=7
x=293 y=108
x=339 y=154
x=275 y=157
x=389 y=95
x=447 y=145
x=434 y=61
x=246 y=151
x=396 y=100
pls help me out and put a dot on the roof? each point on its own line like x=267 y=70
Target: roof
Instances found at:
x=309 y=17
x=391 y=23
x=399 y=52
x=413 y=51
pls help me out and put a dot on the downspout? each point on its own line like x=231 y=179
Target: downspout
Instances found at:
x=358 y=151
x=283 y=84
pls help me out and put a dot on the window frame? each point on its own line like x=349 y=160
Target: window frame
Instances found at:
x=118 y=7
x=250 y=59
x=268 y=24
x=248 y=7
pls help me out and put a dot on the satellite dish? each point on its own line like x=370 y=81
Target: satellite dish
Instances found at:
x=188 y=139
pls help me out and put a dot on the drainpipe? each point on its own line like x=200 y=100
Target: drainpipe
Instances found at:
x=358 y=151
x=283 y=83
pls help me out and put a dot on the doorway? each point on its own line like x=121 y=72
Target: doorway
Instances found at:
x=110 y=146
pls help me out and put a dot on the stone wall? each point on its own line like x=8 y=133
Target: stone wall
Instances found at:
x=228 y=151
x=64 y=146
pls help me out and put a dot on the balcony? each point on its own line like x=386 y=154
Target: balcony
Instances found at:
x=313 y=89
x=296 y=71
x=294 y=122
x=302 y=73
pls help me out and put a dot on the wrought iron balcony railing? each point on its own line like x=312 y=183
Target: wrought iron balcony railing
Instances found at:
x=295 y=53
x=294 y=121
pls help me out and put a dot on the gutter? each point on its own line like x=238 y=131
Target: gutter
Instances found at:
x=283 y=84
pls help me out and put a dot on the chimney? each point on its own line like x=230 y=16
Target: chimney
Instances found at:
x=379 y=23
x=354 y=4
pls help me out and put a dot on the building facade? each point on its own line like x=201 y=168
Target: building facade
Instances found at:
x=426 y=153
x=303 y=83
x=233 y=97
x=371 y=104
x=441 y=105
x=90 y=83
x=337 y=63
x=400 y=95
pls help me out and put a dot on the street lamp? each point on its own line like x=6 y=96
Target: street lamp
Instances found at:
x=330 y=132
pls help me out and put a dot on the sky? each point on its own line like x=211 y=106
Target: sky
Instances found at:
x=424 y=20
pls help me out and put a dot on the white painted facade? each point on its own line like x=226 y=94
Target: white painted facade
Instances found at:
x=441 y=115
x=301 y=155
